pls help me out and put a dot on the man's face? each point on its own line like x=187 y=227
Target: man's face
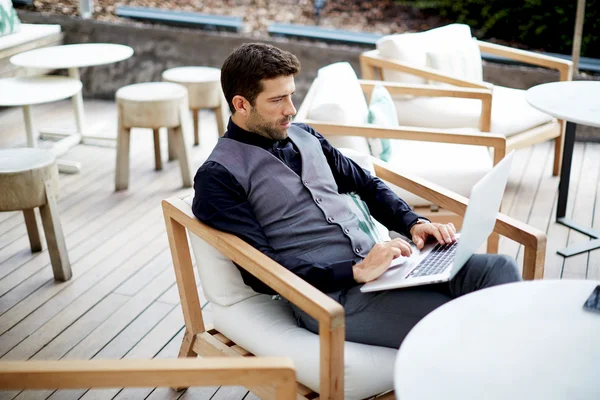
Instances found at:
x=273 y=109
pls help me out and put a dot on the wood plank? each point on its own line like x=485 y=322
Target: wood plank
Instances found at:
x=576 y=267
x=49 y=320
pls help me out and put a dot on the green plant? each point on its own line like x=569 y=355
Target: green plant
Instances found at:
x=546 y=25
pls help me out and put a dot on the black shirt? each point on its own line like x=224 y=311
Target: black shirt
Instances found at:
x=221 y=202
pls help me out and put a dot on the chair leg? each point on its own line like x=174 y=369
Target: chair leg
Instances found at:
x=157 y=159
x=220 y=122
x=493 y=243
x=32 y=230
x=61 y=266
x=170 y=145
x=196 y=116
x=122 y=168
x=559 y=143
x=177 y=137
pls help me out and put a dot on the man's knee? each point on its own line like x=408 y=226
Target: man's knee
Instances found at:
x=504 y=267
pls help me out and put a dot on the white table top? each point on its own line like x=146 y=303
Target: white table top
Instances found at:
x=575 y=101
x=36 y=90
x=527 y=340
x=192 y=74
x=73 y=56
x=18 y=160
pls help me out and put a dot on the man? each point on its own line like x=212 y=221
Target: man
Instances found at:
x=277 y=186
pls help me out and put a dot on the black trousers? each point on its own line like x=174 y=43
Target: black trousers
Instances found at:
x=384 y=318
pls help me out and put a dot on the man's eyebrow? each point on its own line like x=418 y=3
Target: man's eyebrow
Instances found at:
x=280 y=96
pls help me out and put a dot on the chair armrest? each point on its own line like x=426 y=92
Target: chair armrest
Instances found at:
x=565 y=67
x=485 y=95
x=498 y=142
x=83 y=374
x=328 y=312
x=372 y=59
x=534 y=240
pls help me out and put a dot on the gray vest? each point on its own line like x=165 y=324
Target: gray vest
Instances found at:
x=302 y=217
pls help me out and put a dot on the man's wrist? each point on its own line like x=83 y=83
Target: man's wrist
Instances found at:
x=419 y=221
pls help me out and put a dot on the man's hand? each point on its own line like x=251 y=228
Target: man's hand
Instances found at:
x=444 y=233
x=379 y=259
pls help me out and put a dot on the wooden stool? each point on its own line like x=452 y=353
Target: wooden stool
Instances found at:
x=152 y=105
x=204 y=91
x=29 y=179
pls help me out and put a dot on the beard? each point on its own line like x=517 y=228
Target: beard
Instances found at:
x=257 y=124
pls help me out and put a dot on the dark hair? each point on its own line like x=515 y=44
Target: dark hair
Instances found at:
x=249 y=64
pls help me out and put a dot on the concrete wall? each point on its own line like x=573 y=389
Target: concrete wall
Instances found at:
x=158 y=48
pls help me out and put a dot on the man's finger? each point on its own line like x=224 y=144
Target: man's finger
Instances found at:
x=435 y=231
x=403 y=245
x=452 y=230
x=445 y=234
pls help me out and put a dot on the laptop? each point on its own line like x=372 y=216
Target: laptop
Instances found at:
x=437 y=263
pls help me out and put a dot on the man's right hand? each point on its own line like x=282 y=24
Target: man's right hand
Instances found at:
x=379 y=259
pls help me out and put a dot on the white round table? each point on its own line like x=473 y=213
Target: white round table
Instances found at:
x=577 y=102
x=27 y=91
x=73 y=57
x=526 y=340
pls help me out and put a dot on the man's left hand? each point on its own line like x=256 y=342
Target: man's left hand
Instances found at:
x=443 y=233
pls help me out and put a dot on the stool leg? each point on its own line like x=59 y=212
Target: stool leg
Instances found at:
x=220 y=123
x=196 y=116
x=61 y=266
x=32 y=230
x=122 y=168
x=177 y=137
x=157 y=160
x=170 y=146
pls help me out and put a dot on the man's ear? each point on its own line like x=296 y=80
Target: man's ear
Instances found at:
x=241 y=105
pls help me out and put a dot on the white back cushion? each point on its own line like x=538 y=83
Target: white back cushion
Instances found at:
x=220 y=279
x=461 y=60
x=450 y=47
x=339 y=99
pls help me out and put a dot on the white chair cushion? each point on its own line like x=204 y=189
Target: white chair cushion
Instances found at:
x=339 y=99
x=453 y=166
x=412 y=48
x=511 y=114
x=460 y=60
x=220 y=279
x=27 y=33
x=368 y=370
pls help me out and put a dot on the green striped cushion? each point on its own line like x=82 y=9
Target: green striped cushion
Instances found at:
x=9 y=21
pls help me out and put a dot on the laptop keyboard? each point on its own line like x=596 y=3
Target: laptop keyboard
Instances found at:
x=435 y=262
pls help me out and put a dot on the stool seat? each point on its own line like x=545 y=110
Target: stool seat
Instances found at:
x=204 y=92
x=151 y=91
x=29 y=179
x=152 y=105
x=22 y=175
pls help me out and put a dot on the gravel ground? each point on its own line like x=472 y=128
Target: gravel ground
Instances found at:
x=380 y=16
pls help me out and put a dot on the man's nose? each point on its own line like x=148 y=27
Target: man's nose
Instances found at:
x=289 y=108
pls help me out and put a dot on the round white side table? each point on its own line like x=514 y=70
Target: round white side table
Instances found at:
x=526 y=340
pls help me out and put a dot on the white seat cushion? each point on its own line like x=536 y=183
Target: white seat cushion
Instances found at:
x=267 y=327
x=27 y=33
x=511 y=114
x=455 y=167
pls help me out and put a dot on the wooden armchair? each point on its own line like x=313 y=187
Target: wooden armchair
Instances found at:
x=414 y=65
x=476 y=143
x=333 y=363
x=277 y=373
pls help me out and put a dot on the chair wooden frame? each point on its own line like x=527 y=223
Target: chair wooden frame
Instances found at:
x=206 y=341
x=372 y=65
x=277 y=373
x=494 y=141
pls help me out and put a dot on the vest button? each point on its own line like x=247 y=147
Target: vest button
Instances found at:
x=330 y=219
x=357 y=250
x=317 y=200
x=346 y=231
x=305 y=182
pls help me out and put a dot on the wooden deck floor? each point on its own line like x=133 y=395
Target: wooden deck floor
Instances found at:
x=122 y=300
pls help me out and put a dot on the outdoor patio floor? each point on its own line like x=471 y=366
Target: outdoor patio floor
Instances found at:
x=122 y=300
